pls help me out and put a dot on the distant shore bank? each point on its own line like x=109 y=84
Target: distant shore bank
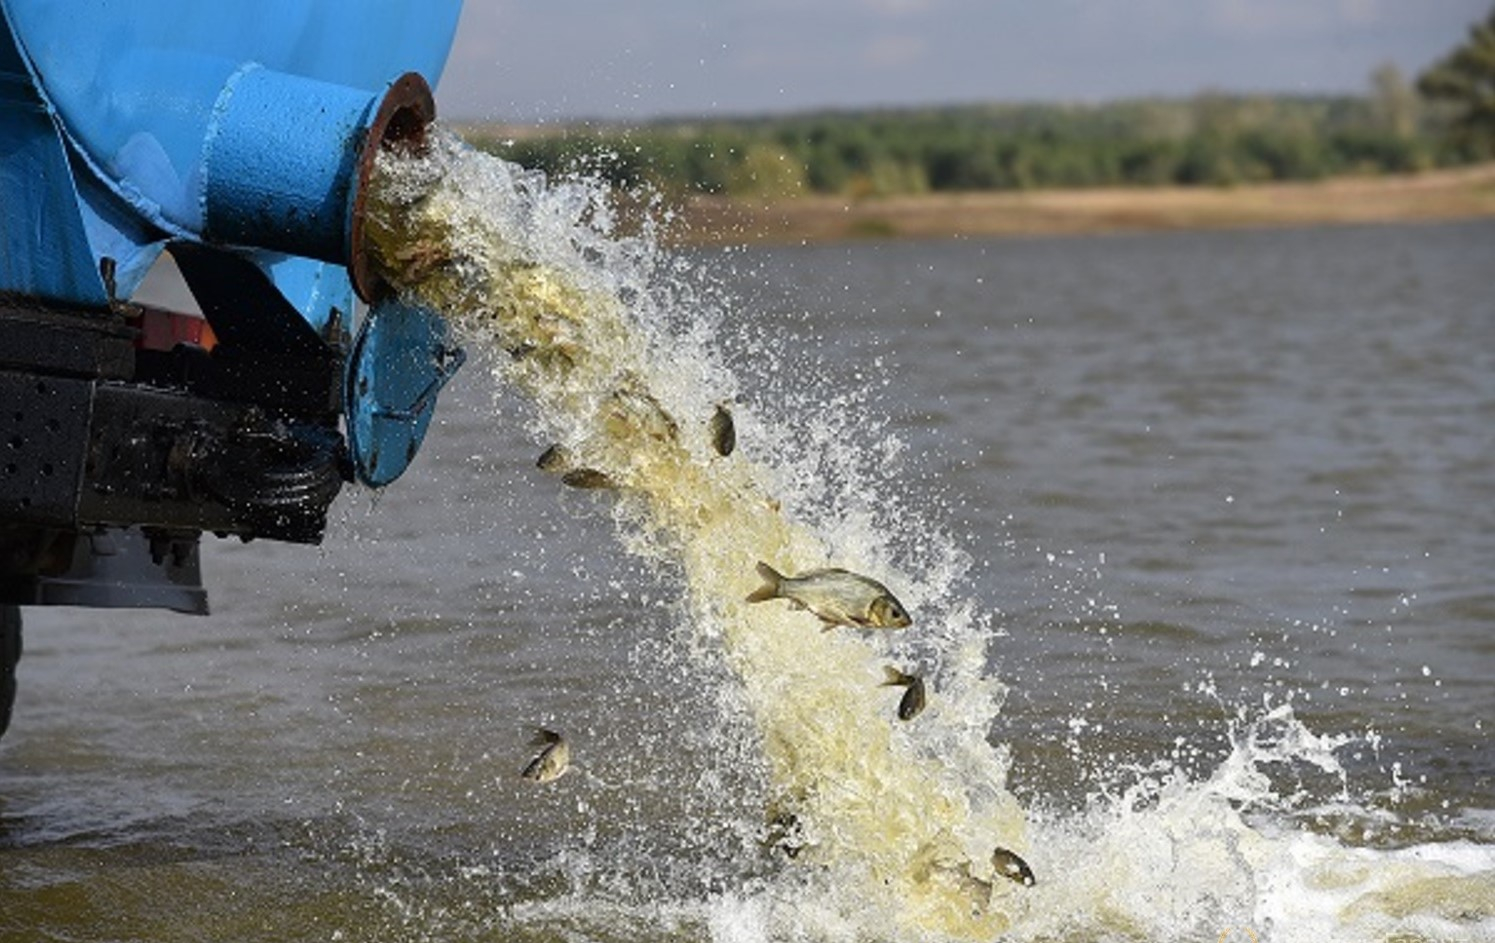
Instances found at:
x=1460 y=193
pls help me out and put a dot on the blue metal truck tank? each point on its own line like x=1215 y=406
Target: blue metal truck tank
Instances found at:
x=239 y=138
x=233 y=125
x=153 y=95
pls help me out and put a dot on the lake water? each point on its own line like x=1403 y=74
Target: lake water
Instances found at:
x=1214 y=512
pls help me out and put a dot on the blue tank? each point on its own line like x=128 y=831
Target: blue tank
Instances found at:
x=232 y=124
x=239 y=138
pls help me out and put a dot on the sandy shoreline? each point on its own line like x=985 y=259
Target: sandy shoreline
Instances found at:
x=1435 y=195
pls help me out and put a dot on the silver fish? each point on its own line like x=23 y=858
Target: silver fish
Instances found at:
x=588 y=478
x=977 y=890
x=913 y=698
x=835 y=596
x=931 y=862
x=552 y=761
x=555 y=357
x=558 y=460
x=631 y=408
x=723 y=431
x=784 y=832
x=1010 y=866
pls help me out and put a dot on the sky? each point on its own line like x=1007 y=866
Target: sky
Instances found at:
x=539 y=61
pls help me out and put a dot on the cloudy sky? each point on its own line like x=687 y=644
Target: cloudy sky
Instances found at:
x=554 y=60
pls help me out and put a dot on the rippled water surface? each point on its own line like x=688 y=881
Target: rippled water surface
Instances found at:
x=1229 y=512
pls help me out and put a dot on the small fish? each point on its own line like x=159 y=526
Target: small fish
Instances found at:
x=553 y=357
x=1010 y=866
x=558 y=460
x=785 y=833
x=913 y=698
x=588 y=478
x=932 y=862
x=835 y=596
x=630 y=407
x=552 y=761
x=977 y=890
x=723 y=431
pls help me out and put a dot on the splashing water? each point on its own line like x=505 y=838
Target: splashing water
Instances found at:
x=602 y=333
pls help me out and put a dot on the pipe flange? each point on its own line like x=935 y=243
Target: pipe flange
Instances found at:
x=401 y=121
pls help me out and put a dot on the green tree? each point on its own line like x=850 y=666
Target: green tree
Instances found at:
x=1466 y=78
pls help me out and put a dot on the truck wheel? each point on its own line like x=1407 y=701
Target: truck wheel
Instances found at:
x=10 y=653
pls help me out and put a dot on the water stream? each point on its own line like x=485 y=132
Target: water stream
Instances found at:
x=892 y=824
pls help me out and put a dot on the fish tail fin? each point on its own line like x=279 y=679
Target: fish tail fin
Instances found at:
x=893 y=675
x=770 y=588
x=543 y=736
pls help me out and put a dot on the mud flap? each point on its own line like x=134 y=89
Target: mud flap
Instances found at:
x=10 y=653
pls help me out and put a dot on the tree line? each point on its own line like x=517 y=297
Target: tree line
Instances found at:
x=1210 y=139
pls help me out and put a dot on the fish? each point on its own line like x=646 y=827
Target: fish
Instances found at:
x=835 y=596
x=913 y=698
x=558 y=460
x=1010 y=866
x=723 y=431
x=554 y=357
x=631 y=408
x=588 y=478
x=550 y=762
x=932 y=862
x=784 y=832
x=784 y=828
x=974 y=888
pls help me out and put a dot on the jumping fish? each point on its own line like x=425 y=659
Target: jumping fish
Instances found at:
x=723 y=431
x=1011 y=867
x=552 y=761
x=588 y=478
x=784 y=832
x=931 y=862
x=913 y=698
x=835 y=596
x=975 y=889
x=632 y=408
x=558 y=460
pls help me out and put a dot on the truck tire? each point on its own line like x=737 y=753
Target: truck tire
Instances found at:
x=10 y=653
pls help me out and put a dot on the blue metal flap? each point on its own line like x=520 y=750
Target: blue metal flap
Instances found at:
x=402 y=358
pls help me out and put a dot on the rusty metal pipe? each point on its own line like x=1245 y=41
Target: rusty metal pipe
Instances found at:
x=287 y=162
